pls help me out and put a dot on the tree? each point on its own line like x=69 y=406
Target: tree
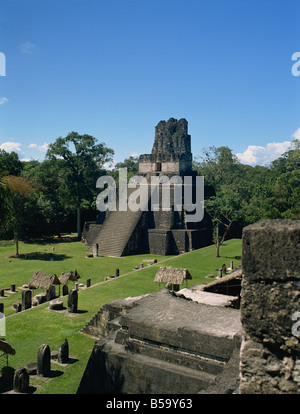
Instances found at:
x=224 y=209
x=17 y=190
x=218 y=166
x=81 y=154
x=4 y=197
x=222 y=170
x=247 y=194
x=132 y=165
x=278 y=194
x=10 y=163
x=14 y=191
x=53 y=204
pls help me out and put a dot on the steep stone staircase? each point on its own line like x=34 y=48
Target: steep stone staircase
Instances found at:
x=106 y=320
x=116 y=230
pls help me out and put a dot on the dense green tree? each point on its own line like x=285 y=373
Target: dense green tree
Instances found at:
x=224 y=208
x=132 y=165
x=83 y=157
x=278 y=194
x=10 y=163
x=246 y=194
x=18 y=190
x=218 y=166
x=45 y=197
x=222 y=170
x=14 y=193
x=54 y=205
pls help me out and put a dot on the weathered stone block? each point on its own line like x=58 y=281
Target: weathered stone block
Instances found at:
x=65 y=290
x=63 y=352
x=270 y=250
x=31 y=368
x=44 y=361
x=56 y=304
x=166 y=344
x=266 y=312
x=41 y=297
x=73 y=301
x=270 y=351
x=26 y=299
x=18 y=306
x=50 y=293
x=265 y=372
x=21 y=380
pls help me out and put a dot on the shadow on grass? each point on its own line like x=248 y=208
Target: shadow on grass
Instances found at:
x=232 y=257
x=42 y=241
x=55 y=373
x=49 y=240
x=41 y=256
x=78 y=312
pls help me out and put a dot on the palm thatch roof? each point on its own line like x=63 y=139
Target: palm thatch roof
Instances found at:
x=234 y=275
x=68 y=276
x=6 y=348
x=230 y=284
x=173 y=275
x=41 y=280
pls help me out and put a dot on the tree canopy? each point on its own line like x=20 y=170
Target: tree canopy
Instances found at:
x=59 y=193
x=84 y=159
x=246 y=194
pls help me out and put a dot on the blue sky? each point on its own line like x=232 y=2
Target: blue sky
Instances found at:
x=113 y=69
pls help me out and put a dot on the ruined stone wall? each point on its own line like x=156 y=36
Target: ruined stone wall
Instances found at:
x=270 y=306
x=171 y=151
x=147 y=164
x=172 y=137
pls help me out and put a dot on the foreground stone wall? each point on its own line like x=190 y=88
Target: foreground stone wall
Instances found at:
x=165 y=344
x=270 y=351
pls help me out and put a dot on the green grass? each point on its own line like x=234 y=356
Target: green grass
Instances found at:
x=27 y=330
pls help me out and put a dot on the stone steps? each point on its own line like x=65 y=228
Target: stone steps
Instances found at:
x=116 y=231
x=164 y=344
x=106 y=320
x=175 y=356
x=196 y=380
x=114 y=235
x=135 y=373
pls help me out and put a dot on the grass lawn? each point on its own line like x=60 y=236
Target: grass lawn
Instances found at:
x=27 y=330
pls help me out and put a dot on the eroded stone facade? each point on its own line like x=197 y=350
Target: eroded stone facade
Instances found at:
x=270 y=352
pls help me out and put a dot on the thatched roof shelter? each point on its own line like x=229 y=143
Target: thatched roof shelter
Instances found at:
x=172 y=275
x=229 y=284
x=41 y=280
x=6 y=348
x=68 y=276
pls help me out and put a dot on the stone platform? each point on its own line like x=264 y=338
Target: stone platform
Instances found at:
x=166 y=344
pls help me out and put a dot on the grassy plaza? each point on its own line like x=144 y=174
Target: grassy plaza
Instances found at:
x=27 y=330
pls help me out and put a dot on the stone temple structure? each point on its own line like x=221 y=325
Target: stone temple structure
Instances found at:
x=163 y=231
x=171 y=152
x=237 y=335
x=164 y=343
